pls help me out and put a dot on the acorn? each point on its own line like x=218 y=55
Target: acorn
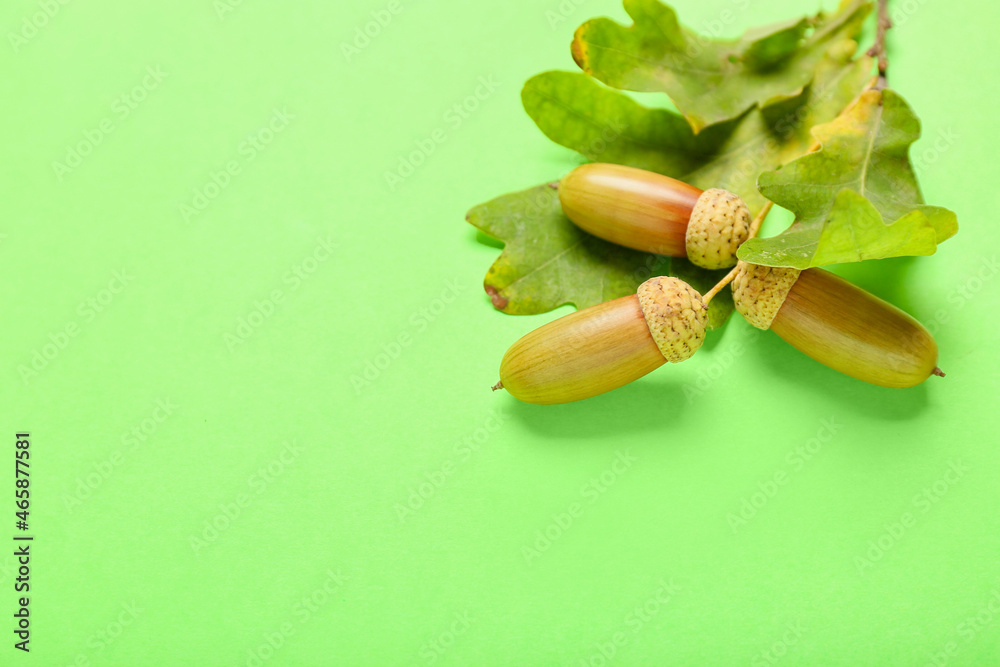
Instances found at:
x=654 y=213
x=601 y=348
x=837 y=323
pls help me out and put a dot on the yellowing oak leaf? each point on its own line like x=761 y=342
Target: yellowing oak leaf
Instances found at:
x=605 y=125
x=547 y=261
x=710 y=80
x=857 y=197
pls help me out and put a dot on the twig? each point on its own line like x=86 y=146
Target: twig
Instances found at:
x=878 y=48
x=721 y=284
x=754 y=228
x=759 y=220
x=876 y=83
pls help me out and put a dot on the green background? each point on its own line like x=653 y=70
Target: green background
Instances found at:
x=216 y=481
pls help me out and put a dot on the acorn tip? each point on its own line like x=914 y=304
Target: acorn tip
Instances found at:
x=498 y=385
x=937 y=371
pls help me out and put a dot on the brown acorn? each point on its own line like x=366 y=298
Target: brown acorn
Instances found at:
x=654 y=213
x=601 y=348
x=837 y=323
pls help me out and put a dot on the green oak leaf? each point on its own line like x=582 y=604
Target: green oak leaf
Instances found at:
x=607 y=126
x=710 y=80
x=856 y=198
x=768 y=45
x=548 y=261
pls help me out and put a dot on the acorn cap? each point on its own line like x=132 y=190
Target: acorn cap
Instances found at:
x=720 y=222
x=675 y=314
x=759 y=291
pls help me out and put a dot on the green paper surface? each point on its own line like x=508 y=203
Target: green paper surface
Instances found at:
x=244 y=325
